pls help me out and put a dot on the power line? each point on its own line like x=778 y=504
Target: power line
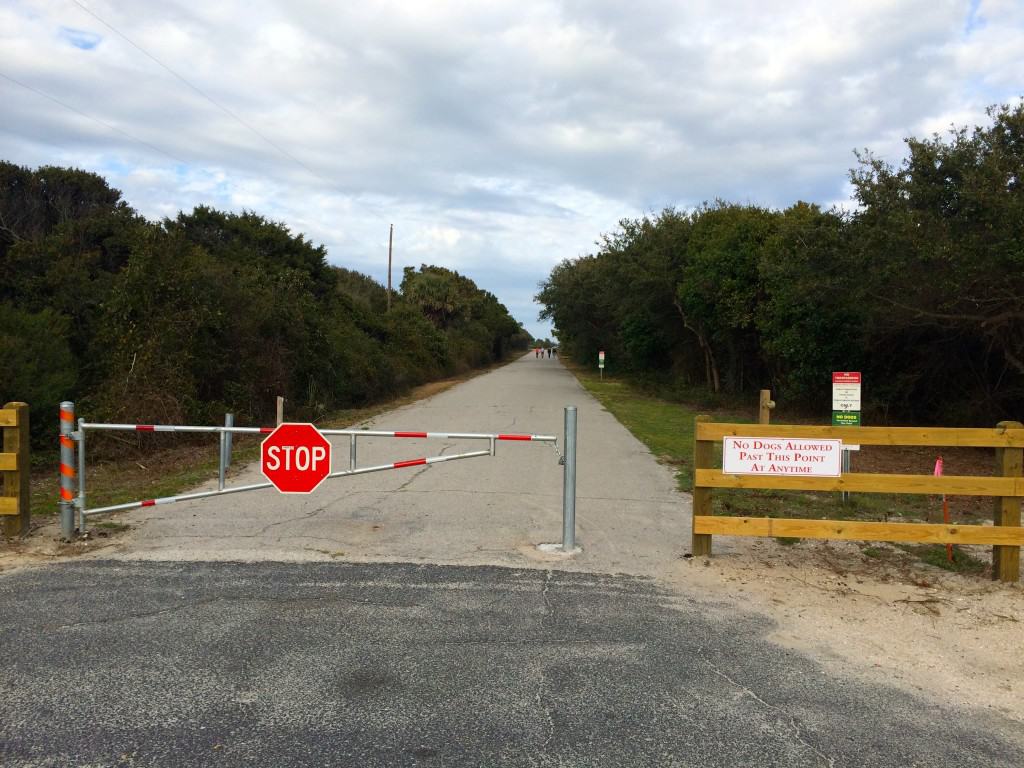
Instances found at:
x=97 y=120
x=114 y=128
x=230 y=113
x=196 y=88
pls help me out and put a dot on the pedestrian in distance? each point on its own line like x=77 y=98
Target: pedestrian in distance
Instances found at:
x=549 y=353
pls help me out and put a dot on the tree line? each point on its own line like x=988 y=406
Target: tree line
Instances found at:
x=181 y=320
x=920 y=287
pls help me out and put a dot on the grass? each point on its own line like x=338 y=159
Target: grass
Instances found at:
x=935 y=554
x=665 y=424
x=665 y=427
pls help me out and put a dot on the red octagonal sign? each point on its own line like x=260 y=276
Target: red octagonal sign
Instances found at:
x=295 y=458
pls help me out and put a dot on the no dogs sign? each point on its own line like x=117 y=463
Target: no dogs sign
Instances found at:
x=781 y=456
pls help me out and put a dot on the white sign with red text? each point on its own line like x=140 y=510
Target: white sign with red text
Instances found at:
x=846 y=390
x=781 y=456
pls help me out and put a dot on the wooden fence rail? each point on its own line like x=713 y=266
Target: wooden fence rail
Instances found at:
x=1006 y=535
x=14 y=467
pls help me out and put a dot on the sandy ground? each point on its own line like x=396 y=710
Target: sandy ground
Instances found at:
x=952 y=638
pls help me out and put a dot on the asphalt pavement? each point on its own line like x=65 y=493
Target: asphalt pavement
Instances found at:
x=331 y=664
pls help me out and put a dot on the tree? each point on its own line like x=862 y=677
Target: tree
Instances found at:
x=942 y=238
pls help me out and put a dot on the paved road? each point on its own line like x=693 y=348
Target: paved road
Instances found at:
x=477 y=511
x=281 y=664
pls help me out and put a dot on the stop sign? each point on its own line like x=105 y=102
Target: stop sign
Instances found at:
x=295 y=458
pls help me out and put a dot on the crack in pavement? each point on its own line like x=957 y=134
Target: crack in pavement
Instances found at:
x=233 y=534
x=419 y=472
x=795 y=726
x=542 y=682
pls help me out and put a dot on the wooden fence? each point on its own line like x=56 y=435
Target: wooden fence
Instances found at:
x=1007 y=487
x=14 y=467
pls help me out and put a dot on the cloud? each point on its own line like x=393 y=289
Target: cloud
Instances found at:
x=78 y=38
x=498 y=137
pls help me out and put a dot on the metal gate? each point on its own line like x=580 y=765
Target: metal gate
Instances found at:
x=73 y=496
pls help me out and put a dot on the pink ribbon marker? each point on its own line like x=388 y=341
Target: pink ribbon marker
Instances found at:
x=945 y=508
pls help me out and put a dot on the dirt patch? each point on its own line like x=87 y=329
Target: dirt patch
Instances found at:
x=43 y=544
x=954 y=638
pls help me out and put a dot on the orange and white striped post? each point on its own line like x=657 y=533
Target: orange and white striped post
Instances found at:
x=68 y=475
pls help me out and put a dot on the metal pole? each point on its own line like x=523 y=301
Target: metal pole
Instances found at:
x=569 y=482
x=81 y=476
x=845 y=470
x=221 y=468
x=351 y=452
x=229 y=421
x=391 y=237
x=67 y=470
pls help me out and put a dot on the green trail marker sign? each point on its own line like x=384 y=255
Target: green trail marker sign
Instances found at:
x=845 y=418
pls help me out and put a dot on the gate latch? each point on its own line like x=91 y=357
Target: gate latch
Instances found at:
x=561 y=458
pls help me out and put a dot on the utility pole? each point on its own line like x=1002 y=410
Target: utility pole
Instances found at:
x=391 y=236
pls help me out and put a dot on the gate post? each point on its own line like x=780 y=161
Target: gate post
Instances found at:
x=68 y=477
x=221 y=467
x=703 y=457
x=569 y=482
x=14 y=486
x=764 y=406
x=229 y=421
x=1009 y=461
x=225 y=450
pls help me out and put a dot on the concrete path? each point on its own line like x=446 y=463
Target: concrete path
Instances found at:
x=475 y=511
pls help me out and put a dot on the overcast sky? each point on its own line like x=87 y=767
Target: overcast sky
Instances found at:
x=499 y=137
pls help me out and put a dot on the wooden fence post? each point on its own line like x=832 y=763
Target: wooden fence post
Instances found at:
x=703 y=457
x=764 y=407
x=14 y=503
x=1009 y=463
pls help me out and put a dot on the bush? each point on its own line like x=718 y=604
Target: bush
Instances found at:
x=36 y=366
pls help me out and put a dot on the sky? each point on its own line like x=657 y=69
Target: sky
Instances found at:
x=498 y=137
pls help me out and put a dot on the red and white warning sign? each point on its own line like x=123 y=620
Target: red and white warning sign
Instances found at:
x=781 y=456
x=296 y=458
x=846 y=390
